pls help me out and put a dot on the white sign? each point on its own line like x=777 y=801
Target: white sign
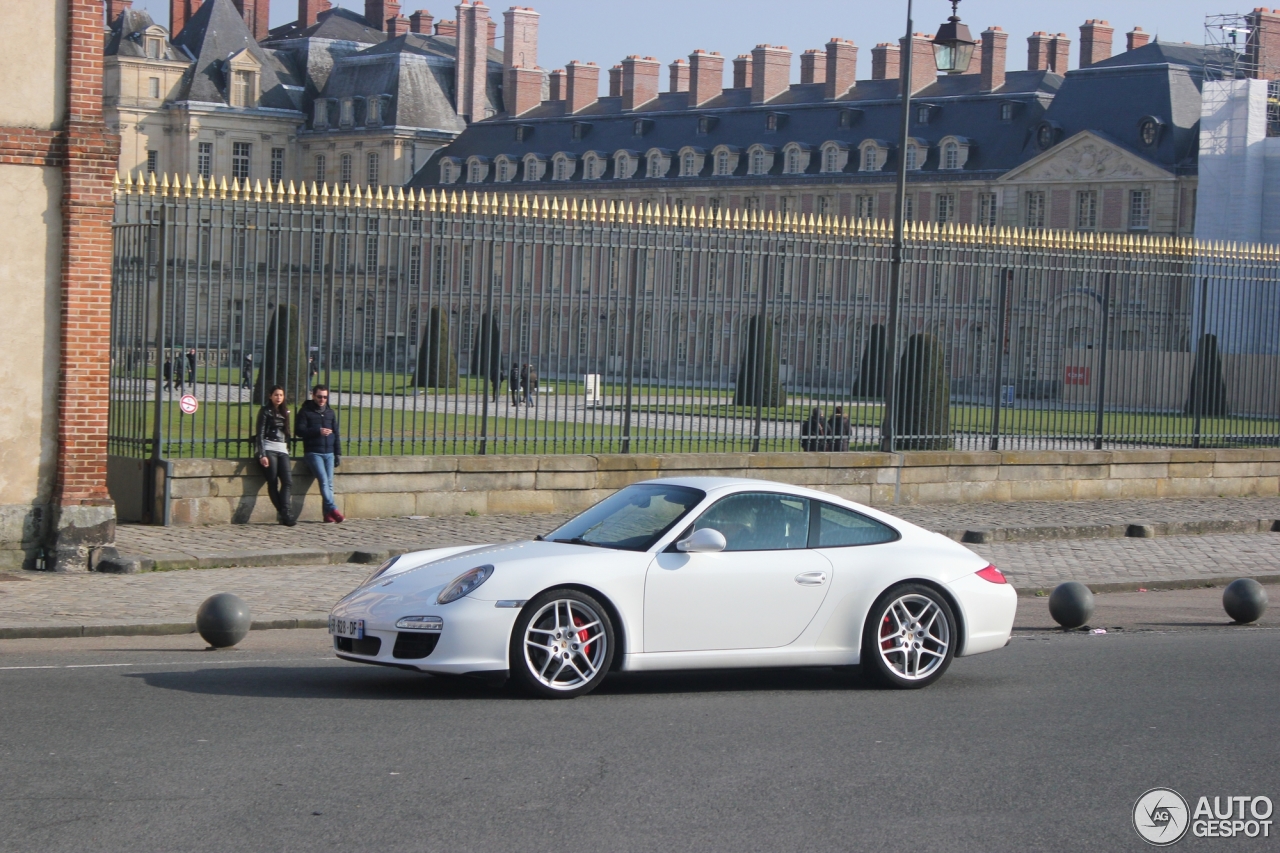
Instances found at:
x=591 y=388
x=188 y=404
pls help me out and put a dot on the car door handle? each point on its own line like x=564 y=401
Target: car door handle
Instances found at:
x=811 y=578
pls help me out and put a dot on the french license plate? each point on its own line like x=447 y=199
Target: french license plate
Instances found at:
x=352 y=628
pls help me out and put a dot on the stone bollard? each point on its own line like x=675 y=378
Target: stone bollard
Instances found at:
x=1071 y=604
x=1244 y=600
x=223 y=620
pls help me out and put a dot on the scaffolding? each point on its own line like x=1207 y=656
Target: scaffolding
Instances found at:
x=1232 y=52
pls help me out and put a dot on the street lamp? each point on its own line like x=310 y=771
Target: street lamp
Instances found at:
x=952 y=50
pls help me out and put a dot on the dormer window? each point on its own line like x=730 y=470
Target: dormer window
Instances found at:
x=448 y=170
x=848 y=118
x=580 y=130
x=243 y=80
x=373 y=112
x=795 y=159
x=759 y=160
x=624 y=164
x=504 y=170
x=658 y=164
x=955 y=152
x=913 y=158
x=320 y=116
x=706 y=124
x=774 y=121
x=477 y=170
x=592 y=166
x=534 y=167
x=523 y=132
x=722 y=164
x=835 y=156
x=875 y=154
x=563 y=167
x=1006 y=112
x=155 y=48
x=724 y=160
x=347 y=112
x=642 y=126
x=922 y=115
x=917 y=154
x=691 y=160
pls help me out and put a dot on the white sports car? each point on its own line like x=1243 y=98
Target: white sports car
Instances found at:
x=691 y=573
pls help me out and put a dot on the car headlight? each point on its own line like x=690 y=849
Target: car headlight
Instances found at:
x=464 y=584
x=380 y=571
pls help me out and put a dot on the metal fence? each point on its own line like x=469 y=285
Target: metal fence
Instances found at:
x=529 y=324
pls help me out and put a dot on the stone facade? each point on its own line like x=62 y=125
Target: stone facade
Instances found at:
x=204 y=492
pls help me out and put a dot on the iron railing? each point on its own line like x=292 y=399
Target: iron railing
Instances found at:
x=664 y=330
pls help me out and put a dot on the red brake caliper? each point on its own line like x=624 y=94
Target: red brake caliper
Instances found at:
x=582 y=637
x=886 y=642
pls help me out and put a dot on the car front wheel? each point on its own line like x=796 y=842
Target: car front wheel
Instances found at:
x=909 y=639
x=562 y=644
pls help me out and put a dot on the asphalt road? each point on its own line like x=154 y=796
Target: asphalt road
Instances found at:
x=153 y=744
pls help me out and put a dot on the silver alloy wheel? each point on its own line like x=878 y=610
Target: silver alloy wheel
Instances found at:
x=565 y=644
x=915 y=637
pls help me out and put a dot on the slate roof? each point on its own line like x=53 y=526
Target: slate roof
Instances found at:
x=337 y=24
x=124 y=38
x=1111 y=99
x=217 y=32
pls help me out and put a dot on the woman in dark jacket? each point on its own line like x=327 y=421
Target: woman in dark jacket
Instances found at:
x=811 y=432
x=271 y=439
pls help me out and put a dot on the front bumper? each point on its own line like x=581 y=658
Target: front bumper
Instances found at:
x=475 y=637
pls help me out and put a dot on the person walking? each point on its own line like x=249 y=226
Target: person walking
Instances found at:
x=531 y=387
x=838 y=431
x=246 y=371
x=272 y=439
x=514 y=384
x=167 y=373
x=811 y=432
x=524 y=384
x=191 y=368
x=317 y=426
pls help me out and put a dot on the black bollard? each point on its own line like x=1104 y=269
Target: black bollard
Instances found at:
x=223 y=620
x=1071 y=604
x=1244 y=600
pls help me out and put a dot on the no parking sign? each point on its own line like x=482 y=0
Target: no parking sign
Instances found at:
x=188 y=404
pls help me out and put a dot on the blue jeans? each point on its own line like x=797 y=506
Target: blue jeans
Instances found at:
x=321 y=464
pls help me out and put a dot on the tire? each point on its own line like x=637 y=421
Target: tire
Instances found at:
x=553 y=663
x=899 y=648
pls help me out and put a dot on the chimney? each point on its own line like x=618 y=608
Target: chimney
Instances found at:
x=473 y=59
x=842 y=67
x=679 y=76
x=742 y=71
x=556 y=88
x=770 y=72
x=1262 y=50
x=813 y=66
x=706 y=77
x=115 y=8
x=639 y=81
x=1038 y=51
x=1059 y=53
x=447 y=28
x=420 y=22
x=1138 y=38
x=397 y=26
x=1095 y=42
x=180 y=11
x=885 y=61
x=376 y=12
x=995 y=49
x=493 y=33
x=923 y=71
x=520 y=43
x=256 y=14
x=523 y=90
x=615 y=81
x=309 y=12
x=582 y=85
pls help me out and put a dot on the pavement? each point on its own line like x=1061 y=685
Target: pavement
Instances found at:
x=153 y=744
x=291 y=577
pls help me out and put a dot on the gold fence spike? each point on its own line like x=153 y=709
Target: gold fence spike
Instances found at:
x=223 y=189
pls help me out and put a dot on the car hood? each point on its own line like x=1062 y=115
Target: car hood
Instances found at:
x=419 y=576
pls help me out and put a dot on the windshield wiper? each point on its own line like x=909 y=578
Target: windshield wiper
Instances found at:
x=578 y=540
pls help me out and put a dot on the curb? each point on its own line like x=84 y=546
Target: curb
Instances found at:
x=154 y=629
x=1150 y=586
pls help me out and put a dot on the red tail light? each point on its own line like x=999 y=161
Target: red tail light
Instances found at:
x=992 y=574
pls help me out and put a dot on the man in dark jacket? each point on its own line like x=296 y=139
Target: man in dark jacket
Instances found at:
x=317 y=425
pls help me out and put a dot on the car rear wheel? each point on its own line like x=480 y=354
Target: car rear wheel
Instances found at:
x=910 y=637
x=562 y=644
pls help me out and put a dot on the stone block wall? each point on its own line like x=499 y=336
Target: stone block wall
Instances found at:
x=207 y=492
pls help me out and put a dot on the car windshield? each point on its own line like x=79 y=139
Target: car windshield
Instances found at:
x=630 y=520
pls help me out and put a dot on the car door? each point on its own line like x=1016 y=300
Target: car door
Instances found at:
x=759 y=593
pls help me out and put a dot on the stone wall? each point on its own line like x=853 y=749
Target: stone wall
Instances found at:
x=204 y=492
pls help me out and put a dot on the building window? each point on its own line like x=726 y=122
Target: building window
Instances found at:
x=344 y=170
x=204 y=160
x=793 y=161
x=824 y=204
x=951 y=156
x=758 y=162
x=865 y=206
x=909 y=208
x=155 y=48
x=831 y=159
x=1139 y=209
x=688 y=165
x=154 y=88
x=277 y=165
x=913 y=157
x=946 y=208
x=871 y=161
x=752 y=203
x=1006 y=112
x=787 y=204
x=371 y=246
x=713 y=205
x=922 y=115
x=722 y=164
x=771 y=121
x=504 y=170
x=346 y=112
x=374 y=171
x=1035 y=209
x=655 y=165
x=561 y=169
x=240 y=158
x=242 y=89
x=987 y=210
x=321 y=169
x=153 y=162
x=1087 y=210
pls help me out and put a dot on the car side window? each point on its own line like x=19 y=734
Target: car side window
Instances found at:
x=836 y=527
x=759 y=521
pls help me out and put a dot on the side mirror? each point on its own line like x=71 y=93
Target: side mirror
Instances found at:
x=704 y=541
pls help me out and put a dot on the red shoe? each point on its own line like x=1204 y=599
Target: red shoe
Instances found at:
x=328 y=517
x=338 y=517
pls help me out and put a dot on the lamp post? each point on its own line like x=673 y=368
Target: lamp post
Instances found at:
x=952 y=52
